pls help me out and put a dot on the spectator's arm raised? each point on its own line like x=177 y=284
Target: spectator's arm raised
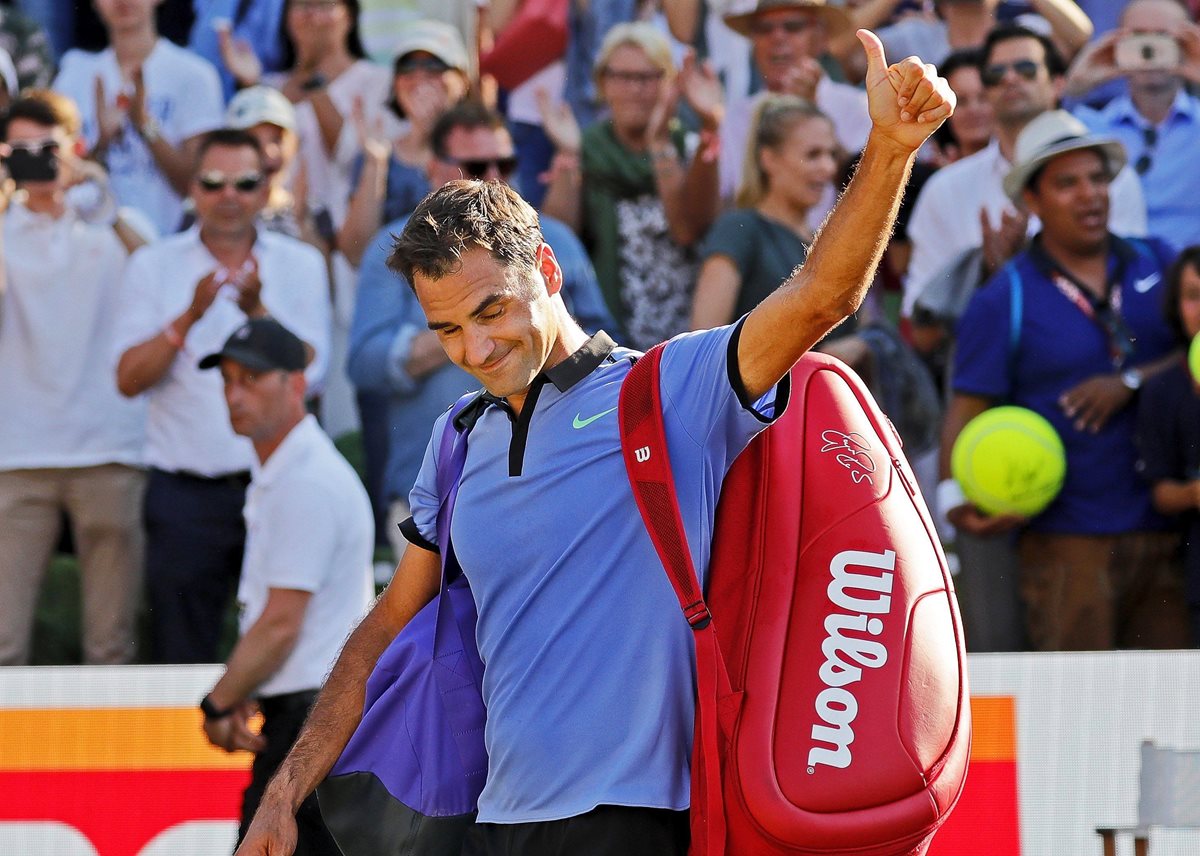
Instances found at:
x=907 y=102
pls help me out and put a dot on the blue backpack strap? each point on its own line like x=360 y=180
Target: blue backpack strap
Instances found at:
x=1016 y=308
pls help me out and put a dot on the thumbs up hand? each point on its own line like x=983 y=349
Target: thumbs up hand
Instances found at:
x=907 y=100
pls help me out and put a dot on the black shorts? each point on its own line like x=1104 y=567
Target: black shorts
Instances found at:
x=607 y=830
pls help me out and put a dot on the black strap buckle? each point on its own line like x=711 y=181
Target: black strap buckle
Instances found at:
x=697 y=615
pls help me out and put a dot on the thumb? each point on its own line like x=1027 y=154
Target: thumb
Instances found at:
x=876 y=62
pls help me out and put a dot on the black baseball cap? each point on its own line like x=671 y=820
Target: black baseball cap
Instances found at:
x=263 y=344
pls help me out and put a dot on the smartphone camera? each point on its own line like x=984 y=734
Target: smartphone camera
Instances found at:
x=32 y=163
x=1147 y=51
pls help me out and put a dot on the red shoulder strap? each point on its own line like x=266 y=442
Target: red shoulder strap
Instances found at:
x=644 y=448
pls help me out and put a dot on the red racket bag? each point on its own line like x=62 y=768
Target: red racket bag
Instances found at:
x=832 y=706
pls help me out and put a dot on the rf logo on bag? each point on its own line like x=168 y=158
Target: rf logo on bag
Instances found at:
x=853 y=453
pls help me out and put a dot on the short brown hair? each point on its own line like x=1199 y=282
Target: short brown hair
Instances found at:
x=461 y=215
x=45 y=107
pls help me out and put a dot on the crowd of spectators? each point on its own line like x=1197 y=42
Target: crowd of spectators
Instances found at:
x=682 y=154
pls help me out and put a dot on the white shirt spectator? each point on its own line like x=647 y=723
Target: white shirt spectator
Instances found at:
x=845 y=105
x=329 y=174
x=308 y=527
x=188 y=427
x=57 y=371
x=945 y=219
x=183 y=94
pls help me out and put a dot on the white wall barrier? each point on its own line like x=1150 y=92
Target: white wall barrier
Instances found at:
x=112 y=761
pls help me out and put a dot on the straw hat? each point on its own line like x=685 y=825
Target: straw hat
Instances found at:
x=1051 y=134
x=836 y=20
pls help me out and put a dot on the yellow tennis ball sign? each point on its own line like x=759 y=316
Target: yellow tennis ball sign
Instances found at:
x=1009 y=460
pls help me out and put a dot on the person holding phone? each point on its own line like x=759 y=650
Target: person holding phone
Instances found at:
x=1156 y=49
x=69 y=443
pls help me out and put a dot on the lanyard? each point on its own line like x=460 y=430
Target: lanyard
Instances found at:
x=1104 y=312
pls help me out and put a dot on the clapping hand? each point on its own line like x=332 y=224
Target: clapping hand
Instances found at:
x=372 y=140
x=110 y=115
x=1005 y=240
x=658 y=129
x=907 y=100
x=239 y=56
x=558 y=121
x=701 y=89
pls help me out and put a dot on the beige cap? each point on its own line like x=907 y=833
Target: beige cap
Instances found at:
x=434 y=37
x=258 y=105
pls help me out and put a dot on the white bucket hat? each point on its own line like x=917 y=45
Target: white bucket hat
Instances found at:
x=1051 y=134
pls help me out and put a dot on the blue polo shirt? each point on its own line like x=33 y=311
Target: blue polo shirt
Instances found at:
x=387 y=318
x=1059 y=347
x=588 y=677
x=1171 y=181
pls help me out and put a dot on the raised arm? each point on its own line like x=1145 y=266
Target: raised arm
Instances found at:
x=338 y=708
x=907 y=102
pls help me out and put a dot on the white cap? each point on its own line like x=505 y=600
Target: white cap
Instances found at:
x=434 y=37
x=258 y=105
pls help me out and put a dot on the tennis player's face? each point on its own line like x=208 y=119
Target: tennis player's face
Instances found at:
x=494 y=321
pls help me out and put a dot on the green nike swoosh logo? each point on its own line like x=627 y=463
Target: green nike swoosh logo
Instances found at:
x=583 y=423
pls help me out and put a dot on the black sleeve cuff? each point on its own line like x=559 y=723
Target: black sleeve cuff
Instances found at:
x=408 y=528
x=783 y=389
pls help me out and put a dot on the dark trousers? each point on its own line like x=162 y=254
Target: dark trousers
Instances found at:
x=195 y=536
x=282 y=717
x=608 y=830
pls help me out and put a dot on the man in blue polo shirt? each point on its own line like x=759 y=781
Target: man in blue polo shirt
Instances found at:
x=391 y=350
x=588 y=678
x=1096 y=566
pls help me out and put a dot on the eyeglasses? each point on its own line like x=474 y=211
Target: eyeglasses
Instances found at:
x=215 y=182
x=991 y=75
x=408 y=64
x=633 y=78
x=1146 y=158
x=791 y=26
x=478 y=168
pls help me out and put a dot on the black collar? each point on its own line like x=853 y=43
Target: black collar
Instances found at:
x=564 y=375
x=581 y=363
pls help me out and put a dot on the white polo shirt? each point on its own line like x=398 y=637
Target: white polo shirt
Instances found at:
x=183 y=94
x=188 y=427
x=59 y=405
x=945 y=218
x=308 y=527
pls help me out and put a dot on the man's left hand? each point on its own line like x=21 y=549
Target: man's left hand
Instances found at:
x=907 y=100
x=1092 y=403
x=249 y=287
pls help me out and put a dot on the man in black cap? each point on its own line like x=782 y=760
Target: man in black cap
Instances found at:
x=306 y=573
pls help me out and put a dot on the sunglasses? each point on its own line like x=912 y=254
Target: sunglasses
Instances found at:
x=215 y=182
x=791 y=26
x=991 y=75
x=478 y=168
x=33 y=147
x=408 y=64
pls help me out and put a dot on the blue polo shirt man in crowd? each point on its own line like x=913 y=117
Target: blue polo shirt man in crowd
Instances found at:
x=588 y=679
x=392 y=351
x=1070 y=328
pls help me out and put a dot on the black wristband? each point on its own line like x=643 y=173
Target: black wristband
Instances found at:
x=317 y=81
x=211 y=711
